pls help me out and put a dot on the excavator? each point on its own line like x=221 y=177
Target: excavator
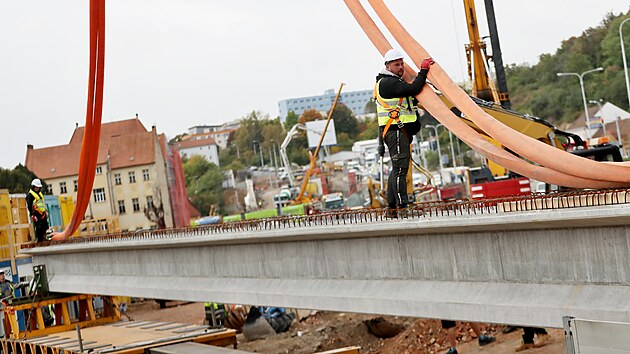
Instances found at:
x=494 y=99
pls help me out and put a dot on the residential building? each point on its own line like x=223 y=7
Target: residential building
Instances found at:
x=354 y=100
x=221 y=137
x=201 y=129
x=135 y=170
x=205 y=147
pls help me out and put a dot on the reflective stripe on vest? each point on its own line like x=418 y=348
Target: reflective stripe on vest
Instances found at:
x=38 y=202
x=386 y=106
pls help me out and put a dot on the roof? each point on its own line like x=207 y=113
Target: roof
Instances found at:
x=127 y=142
x=187 y=144
x=208 y=134
x=580 y=121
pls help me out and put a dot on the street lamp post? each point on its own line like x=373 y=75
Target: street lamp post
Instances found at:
x=262 y=163
x=424 y=159
x=437 y=138
x=275 y=159
x=623 y=55
x=450 y=137
x=581 y=77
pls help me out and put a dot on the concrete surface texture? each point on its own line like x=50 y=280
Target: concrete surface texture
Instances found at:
x=527 y=268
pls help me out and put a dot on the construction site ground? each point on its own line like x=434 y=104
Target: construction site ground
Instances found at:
x=321 y=331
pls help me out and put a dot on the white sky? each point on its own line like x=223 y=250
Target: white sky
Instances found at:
x=179 y=63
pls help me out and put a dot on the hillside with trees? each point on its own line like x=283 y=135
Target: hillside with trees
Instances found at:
x=538 y=90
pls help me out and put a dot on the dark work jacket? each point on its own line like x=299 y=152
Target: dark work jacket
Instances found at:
x=392 y=86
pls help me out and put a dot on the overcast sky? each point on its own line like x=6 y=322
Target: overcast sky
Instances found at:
x=180 y=63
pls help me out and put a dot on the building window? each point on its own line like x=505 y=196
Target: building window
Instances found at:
x=117 y=179
x=99 y=170
x=121 y=207
x=150 y=202
x=62 y=188
x=136 y=204
x=145 y=175
x=99 y=195
x=76 y=185
x=132 y=177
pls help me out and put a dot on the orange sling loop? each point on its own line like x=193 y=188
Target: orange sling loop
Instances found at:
x=92 y=130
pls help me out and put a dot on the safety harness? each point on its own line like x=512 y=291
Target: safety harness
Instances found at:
x=393 y=112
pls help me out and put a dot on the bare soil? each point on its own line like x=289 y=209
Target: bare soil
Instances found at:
x=323 y=331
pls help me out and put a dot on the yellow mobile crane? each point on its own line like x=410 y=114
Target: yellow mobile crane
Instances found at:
x=495 y=100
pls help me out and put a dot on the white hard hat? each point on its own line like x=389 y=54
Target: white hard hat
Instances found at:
x=392 y=54
x=36 y=183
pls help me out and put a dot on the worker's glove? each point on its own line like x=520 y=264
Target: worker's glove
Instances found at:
x=381 y=150
x=34 y=218
x=426 y=63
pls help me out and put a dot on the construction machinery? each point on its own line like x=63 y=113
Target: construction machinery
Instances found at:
x=494 y=98
x=301 y=196
x=45 y=322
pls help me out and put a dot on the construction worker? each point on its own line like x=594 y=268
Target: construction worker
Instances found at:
x=8 y=288
x=37 y=209
x=398 y=120
x=215 y=314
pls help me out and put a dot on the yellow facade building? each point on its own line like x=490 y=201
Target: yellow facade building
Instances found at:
x=135 y=179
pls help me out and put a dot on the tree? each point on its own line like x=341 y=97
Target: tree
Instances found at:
x=368 y=128
x=310 y=115
x=272 y=131
x=292 y=119
x=370 y=108
x=18 y=180
x=345 y=121
x=249 y=131
x=203 y=183
x=178 y=138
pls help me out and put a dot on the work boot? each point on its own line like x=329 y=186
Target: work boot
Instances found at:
x=452 y=351
x=391 y=213
x=524 y=346
x=485 y=339
x=403 y=211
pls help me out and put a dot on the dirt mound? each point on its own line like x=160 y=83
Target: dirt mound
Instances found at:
x=327 y=330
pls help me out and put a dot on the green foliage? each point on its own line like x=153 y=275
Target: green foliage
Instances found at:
x=18 y=180
x=178 y=138
x=250 y=133
x=537 y=90
x=345 y=121
x=370 y=107
x=292 y=119
x=368 y=129
x=203 y=183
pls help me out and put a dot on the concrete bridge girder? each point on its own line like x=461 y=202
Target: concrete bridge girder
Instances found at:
x=527 y=268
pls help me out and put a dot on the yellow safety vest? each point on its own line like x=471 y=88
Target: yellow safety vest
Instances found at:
x=38 y=202
x=389 y=110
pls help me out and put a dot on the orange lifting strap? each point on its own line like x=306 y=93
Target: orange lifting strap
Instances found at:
x=92 y=131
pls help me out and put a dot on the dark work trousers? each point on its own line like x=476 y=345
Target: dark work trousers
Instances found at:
x=41 y=226
x=397 y=142
x=528 y=334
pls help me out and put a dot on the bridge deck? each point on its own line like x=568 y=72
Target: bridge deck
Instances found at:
x=529 y=267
